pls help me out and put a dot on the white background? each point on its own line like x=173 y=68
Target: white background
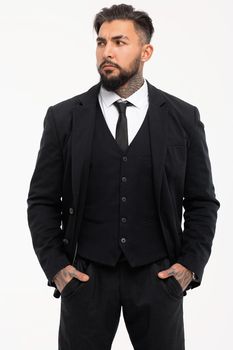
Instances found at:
x=48 y=55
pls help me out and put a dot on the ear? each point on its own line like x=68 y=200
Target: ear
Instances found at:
x=146 y=52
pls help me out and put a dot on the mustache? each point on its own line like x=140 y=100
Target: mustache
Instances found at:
x=108 y=63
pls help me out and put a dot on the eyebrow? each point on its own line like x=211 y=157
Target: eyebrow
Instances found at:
x=117 y=37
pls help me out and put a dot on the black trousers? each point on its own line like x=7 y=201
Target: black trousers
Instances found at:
x=152 y=308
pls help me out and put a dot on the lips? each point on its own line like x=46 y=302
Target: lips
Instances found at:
x=108 y=66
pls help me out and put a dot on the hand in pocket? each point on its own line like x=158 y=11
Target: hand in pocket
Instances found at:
x=180 y=272
x=65 y=275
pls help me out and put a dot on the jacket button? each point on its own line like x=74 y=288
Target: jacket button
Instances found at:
x=65 y=241
x=123 y=240
x=71 y=211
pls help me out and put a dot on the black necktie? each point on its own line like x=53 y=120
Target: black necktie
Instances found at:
x=121 y=128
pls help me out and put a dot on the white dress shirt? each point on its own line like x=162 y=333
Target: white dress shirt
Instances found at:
x=135 y=114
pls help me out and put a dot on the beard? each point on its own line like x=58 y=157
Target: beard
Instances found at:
x=112 y=83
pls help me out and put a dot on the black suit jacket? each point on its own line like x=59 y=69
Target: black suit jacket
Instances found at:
x=181 y=175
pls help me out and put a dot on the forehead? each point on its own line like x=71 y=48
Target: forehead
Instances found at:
x=118 y=27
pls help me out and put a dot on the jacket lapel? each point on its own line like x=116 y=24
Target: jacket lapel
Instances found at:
x=82 y=135
x=158 y=119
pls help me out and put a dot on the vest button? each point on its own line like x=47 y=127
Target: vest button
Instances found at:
x=65 y=241
x=123 y=219
x=71 y=211
x=124 y=179
x=124 y=158
x=123 y=199
x=123 y=240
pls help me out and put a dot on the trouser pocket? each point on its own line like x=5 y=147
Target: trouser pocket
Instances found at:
x=72 y=287
x=170 y=285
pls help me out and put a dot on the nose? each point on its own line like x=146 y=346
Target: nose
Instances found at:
x=107 y=52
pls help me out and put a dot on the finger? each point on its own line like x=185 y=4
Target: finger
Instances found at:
x=81 y=276
x=166 y=273
x=73 y=272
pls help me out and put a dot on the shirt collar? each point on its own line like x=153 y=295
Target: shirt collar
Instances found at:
x=139 y=98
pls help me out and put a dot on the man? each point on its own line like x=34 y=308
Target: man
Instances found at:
x=116 y=166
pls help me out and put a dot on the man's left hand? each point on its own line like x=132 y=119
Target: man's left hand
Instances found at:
x=180 y=272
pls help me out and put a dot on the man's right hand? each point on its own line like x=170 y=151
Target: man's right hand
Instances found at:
x=66 y=274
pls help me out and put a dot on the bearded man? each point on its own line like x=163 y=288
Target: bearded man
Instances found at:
x=117 y=164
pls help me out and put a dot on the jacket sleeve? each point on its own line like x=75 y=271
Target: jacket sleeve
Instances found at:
x=44 y=202
x=200 y=204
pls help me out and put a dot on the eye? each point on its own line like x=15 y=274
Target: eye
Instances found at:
x=119 y=42
x=99 y=43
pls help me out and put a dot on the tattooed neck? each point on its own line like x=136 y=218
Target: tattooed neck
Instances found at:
x=131 y=86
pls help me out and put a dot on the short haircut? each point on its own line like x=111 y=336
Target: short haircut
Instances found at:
x=142 y=22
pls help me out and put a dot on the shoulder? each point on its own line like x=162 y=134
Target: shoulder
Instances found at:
x=179 y=110
x=173 y=103
x=60 y=115
x=64 y=108
x=176 y=103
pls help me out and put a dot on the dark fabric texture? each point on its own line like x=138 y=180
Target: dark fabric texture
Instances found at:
x=120 y=210
x=182 y=179
x=152 y=308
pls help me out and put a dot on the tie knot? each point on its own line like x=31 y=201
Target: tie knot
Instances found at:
x=121 y=106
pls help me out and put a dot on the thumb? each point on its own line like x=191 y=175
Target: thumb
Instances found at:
x=166 y=273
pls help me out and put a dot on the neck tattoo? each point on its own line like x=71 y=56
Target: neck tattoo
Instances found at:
x=131 y=86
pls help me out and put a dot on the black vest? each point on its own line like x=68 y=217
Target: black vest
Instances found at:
x=120 y=217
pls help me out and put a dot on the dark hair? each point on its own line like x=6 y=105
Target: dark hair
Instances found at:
x=142 y=22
